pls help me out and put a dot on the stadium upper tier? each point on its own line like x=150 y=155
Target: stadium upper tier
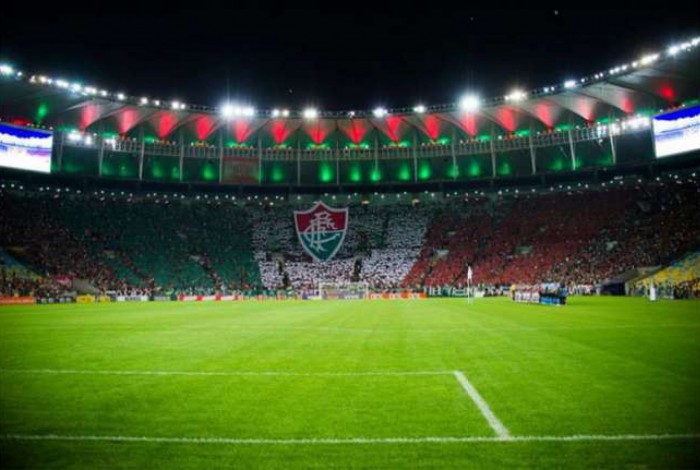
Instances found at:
x=595 y=121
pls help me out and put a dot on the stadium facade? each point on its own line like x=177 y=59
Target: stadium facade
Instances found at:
x=138 y=194
x=598 y=122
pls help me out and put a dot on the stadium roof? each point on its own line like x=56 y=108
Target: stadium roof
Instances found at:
x=645 y=86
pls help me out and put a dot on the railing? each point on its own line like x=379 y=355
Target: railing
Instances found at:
x=424 y=150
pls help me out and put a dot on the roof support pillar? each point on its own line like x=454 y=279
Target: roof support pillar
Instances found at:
x=260 y=156
x=59 y=151
x=612 y=145
x=376 y=155
x=298 y=160
x=533 y=156
x=142 y=153
x=572 y=149
x=181 y=145
x=453 y=151
x=220 y=144
x=492 y=147
x=100 y=155
x=100 y=150
x=337 y=160
x=415 y=155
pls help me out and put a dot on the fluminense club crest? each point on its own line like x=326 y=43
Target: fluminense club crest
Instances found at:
x=321 y=230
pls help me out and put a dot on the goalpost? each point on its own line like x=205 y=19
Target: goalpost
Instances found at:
x=343 y=291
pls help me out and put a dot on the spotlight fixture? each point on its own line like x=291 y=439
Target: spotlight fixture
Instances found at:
x=469 y=103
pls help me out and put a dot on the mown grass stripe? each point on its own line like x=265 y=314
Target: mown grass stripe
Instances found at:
x=225 y=373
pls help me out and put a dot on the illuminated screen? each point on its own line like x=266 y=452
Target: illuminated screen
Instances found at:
x=677 y=132
x=25 y=149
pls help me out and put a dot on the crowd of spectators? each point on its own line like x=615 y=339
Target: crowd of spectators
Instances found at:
x=689 y=289
x=657 y=225
x=385 y=268
x=16 y=286
x=31 y=227
x=581 y=238
x=302 y=274
x=380 y=246
x=271 y=272
x=124 y=245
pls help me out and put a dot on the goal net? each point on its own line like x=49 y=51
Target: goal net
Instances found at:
x=344 y=291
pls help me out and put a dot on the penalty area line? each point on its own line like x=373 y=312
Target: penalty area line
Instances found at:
x=351 y=440
x=495 y=423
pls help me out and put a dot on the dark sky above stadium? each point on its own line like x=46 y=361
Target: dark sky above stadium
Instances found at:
x=334 y=55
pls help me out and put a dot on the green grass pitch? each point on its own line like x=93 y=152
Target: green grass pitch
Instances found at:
x=600 y=383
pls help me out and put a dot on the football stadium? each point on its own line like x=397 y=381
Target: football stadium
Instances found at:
x=497 y=282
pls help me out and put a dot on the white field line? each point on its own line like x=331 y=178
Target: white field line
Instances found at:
x=351 y=440
x=495 y=423
x=225 y=373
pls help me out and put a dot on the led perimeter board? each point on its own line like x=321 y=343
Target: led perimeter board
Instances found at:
x=677 y=132
x=22 y=148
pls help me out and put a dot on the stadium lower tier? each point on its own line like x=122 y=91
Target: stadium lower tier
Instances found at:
x=161 y=243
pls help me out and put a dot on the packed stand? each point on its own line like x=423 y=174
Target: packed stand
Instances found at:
x=580 y=238
x=160 y=244
x=380 y=246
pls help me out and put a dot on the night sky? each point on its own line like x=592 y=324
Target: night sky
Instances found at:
x=337 y=55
